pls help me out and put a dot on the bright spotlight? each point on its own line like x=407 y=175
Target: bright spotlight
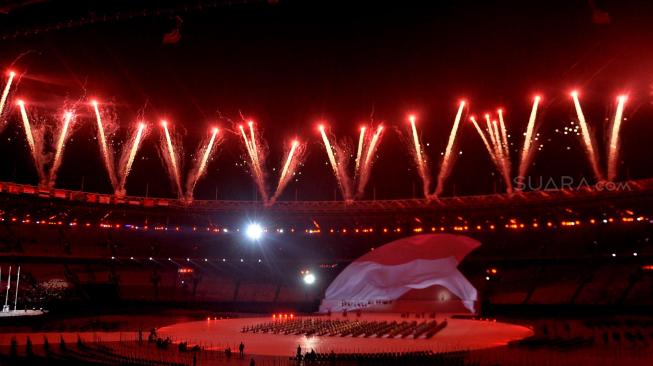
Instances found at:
x=309 y=278
x=254 y=231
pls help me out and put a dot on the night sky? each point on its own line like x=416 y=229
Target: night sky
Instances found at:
x=288 y=65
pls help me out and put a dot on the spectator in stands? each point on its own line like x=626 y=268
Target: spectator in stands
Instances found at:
x=152 y=337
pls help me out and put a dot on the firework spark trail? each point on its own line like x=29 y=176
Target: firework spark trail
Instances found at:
x=259 y=161
x=127 y=166
x=295 y=156
x=485 y=141
x=499 y=147
x=172 y=156
x=491 y=134
x=587 y=137
x=106 y=154
x=366 y=167
x=359 y=151
x=5 y=92
x=445 y=167
x=495 y=144
x=342 y=182
x=489 y=148
x=253 y=143
x=249 y=149
x=30 y=141
x=200 y=168
x=503 y=160
x=613 y=152
x=419 y=159
x=291 y=153
x=527 y=151
x=254 y=162
x=61 y=143
x=372 y=147
x=504 y=134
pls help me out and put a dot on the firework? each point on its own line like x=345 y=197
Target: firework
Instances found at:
x=200 y=168
x=496 y=139
x=338 y=172
x=445 y=167
x=504 y=133
x=128 y=158
x=253 y=144
x=527 y=150
x=27 y=127
x=332 y=158
x=173 y=167
x=419 y=159
x=255 y=160
x=359 y=151
x=294 y=158
x=246 y=141
x=31 y=142
x=587 y=137
x=5 y=92
x=613 y=148
x=107 y=155
x=366 y=167
x=504 y=160
x=291 y=153
x=490 y=133
x=61 y=144
x=486 y=143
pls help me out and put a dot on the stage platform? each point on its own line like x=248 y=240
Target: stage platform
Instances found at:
x=460 y=334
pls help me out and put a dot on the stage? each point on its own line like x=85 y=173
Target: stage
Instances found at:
x=460 y=334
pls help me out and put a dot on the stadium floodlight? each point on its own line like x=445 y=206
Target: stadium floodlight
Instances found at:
x=254 y=231
x=309 y=278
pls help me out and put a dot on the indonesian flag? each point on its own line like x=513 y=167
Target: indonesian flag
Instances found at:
x=416 y=262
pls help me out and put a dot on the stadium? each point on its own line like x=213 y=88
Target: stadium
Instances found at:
x=140 y=226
